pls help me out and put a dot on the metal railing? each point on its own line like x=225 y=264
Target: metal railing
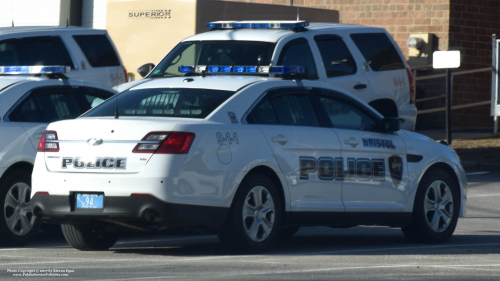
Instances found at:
x=442 y=75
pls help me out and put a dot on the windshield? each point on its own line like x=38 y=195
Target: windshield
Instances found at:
x=171 y=102
x=214 y=53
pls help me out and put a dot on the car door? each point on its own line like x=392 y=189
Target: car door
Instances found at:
x=373 y=166
x=44 y=105
x=102 y=65
x=384 y=67
x=303 y=147
x=341 y=69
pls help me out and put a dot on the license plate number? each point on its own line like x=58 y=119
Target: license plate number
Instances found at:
x=89 y=201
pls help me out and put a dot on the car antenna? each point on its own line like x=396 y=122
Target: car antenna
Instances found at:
x=298 y=14
x=67 y=22
x=116 y=109
x=12 y=23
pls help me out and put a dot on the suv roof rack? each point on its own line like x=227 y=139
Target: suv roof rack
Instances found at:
x=293 y=25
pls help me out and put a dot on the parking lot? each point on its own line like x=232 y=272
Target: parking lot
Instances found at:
x=314 y=253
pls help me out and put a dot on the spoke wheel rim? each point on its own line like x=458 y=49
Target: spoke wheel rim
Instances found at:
x=259 y=214
x=438 y=206
x=17 y=209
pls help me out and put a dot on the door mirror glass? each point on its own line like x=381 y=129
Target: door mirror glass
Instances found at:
x=145 y=69
x=391 y=124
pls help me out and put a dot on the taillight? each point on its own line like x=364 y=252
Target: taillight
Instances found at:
x=412 y=86
x=126 y=75
x=165 y=143
x=48 y=142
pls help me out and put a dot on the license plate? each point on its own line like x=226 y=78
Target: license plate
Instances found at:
x=89 y=201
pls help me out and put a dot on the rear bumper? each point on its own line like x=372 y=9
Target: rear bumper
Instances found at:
x=61 y=209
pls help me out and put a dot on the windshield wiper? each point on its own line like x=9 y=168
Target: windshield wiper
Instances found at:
x=164 y=74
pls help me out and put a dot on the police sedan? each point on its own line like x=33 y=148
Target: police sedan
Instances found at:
x=253 y=156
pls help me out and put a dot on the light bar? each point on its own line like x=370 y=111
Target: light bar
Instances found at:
x=34 y=69
x=257 y=24
x=245 y=69
x=286 y=70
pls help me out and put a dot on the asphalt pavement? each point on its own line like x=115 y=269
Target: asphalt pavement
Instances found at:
x=314 y=253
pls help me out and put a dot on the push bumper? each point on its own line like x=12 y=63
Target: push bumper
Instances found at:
x=61 y=209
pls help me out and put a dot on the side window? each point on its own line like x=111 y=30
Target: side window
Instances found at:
x=263 y=113
x=50 y=50
x=47 y=105
x=98 y=50
x=298 y=53
x=337 y=59
x=284 y=109
x=27 y=111
x=346 y=116
x=378 y=51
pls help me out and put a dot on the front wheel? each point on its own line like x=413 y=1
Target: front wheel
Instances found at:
x=88 y=237
x=436 y=209
x=255 y=217
x=18 y=225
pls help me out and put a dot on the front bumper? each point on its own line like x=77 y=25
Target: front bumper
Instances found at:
x=61 y=209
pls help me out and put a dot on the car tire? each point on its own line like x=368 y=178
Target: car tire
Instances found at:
x=436 y=209
x=288 y=231
x=255 y=217
x=18 y=225
x=88 y=237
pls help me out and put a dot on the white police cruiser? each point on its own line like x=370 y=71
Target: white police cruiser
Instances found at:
x=30 y=98
x=249 y=155
x=364 y=61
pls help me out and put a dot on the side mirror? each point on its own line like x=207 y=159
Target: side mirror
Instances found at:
x=145 y=69
x=391 y=124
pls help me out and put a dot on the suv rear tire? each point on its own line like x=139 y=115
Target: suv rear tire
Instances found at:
x=18 y=225
x=88 y=237
x=254 y=220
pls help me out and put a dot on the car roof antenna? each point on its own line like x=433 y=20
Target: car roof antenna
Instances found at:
x=67 y=22
x=298 y=14
x=12 y=23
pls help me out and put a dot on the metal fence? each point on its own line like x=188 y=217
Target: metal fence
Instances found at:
x=443 y=75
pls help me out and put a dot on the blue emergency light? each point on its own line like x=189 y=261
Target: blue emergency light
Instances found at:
x=34 y=69
x=257 y=24
x=286 y=70
x=245 y=69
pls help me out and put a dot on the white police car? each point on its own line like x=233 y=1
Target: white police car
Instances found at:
x=30 y=98
x=364 y=61
x=249 y=155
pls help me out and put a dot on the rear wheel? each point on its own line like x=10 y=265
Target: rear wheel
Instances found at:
x=89 y=237
x=436 y=210
x=18 y=225
x=255 y=217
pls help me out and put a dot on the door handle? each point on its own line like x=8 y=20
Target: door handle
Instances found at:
x=360 y=86
x=351 y=141
x=279 y=138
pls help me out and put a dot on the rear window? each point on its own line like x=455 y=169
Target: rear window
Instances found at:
x=215 y=53
x=54 y=103
x=50 y=50
x=98 y=50
x=378 y=51
x=171 y=102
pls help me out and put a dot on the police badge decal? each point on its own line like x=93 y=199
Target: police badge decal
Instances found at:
x=396 y=169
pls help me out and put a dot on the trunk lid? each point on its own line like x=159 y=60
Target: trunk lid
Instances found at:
x=102 y=145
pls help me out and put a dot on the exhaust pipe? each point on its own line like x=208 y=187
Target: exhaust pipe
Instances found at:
x=37 y=211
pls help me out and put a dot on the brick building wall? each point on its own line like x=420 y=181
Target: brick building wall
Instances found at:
x=464 y=25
